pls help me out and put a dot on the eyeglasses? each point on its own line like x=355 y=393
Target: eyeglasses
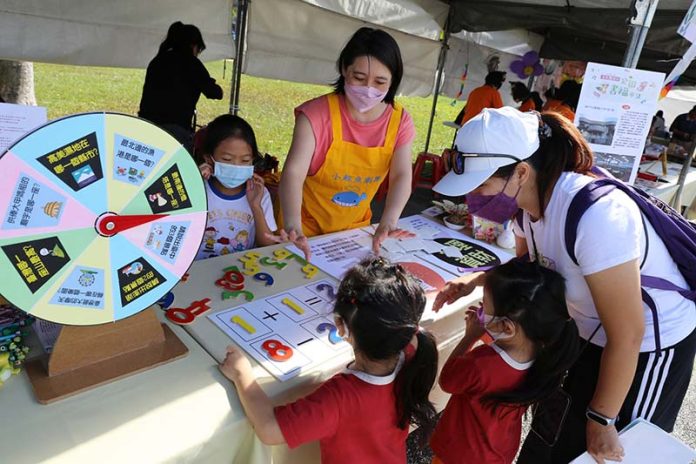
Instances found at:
x=457 y=159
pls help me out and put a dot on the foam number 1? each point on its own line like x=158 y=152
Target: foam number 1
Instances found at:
x=276 y=350
x=333 y=332
x=240 y=321
x=264 y=277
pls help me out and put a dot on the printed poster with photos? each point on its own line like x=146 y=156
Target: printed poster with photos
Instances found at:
x=614 y=114
x=62 y=183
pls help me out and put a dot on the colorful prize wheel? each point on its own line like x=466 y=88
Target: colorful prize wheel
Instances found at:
x=102 y=214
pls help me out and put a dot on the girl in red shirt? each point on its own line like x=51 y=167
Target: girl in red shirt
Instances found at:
x=535 y=342
x=361 y=415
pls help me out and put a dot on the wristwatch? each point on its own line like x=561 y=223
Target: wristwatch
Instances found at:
x=599 y=418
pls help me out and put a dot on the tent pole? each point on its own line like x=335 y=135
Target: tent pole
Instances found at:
x=236 y=81
x=438 y=79
x=643 y=10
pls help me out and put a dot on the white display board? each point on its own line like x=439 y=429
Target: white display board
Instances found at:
x=288 y=332
x=614 y=114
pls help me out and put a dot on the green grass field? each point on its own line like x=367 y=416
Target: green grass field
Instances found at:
x=267 y=104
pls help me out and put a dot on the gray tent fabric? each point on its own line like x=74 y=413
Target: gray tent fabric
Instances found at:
x=583 y=30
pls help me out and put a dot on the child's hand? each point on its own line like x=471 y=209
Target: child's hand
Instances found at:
x=254 y=190
x=236 y=365
x=473 y=325
x=206 y=170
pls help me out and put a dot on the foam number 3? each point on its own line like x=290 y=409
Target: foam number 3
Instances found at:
x=333 y=332
x=264 y=277
x=276 y=350
x=328 y=289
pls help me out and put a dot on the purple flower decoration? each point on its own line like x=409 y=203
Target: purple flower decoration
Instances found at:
x=528 y=65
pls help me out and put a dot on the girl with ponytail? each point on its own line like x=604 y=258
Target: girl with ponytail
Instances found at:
x=535 y=342
x=363 y=414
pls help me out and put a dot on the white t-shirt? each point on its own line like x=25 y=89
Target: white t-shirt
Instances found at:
x=230 y=226
x=609 y=233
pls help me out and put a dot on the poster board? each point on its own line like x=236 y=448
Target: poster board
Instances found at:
x=17 y=120
x=614 y=115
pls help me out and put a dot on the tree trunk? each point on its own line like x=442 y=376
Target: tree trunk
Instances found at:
x=17 y=82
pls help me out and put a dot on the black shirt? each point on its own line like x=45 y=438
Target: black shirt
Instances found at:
x=173 y=84
x=684 y=124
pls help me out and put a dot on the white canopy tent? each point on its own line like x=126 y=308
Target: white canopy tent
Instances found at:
x=123 y=33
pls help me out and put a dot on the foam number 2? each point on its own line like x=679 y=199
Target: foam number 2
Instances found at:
x=276 y=350
x=264 y=277
x=333 y=332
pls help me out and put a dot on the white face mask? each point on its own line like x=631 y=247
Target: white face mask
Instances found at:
x=485 y=320
x=232 y=175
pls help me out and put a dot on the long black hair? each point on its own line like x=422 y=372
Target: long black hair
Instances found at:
x=229 y=126
x=533 y=297
x=381 y=304
x=563 y=150
x=181 y=37
x=376 y=43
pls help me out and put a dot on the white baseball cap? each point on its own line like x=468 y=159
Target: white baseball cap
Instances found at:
x=504 y=131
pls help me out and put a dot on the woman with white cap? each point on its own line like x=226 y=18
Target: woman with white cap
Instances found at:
x=505 y=161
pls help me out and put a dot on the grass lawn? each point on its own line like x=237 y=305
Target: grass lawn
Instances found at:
x=267 y=104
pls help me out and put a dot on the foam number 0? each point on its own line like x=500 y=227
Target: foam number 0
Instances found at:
x=264 y=277
x=276 y=350
x=333 y=332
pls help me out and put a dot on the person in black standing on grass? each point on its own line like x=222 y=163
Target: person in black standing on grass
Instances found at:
x=174 y=82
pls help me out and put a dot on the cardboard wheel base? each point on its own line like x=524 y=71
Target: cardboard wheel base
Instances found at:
x=115 y=351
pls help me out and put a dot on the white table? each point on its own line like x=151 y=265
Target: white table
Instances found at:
x=184 y=411
x=666 y=190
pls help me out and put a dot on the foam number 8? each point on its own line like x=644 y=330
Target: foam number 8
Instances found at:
x=264 y=277
x=276 y=350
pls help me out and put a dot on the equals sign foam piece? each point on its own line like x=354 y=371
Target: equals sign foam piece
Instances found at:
x=292 y=305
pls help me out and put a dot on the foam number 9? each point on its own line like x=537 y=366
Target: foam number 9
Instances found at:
x=334 y=338
x=264 y=277
x=276 y=350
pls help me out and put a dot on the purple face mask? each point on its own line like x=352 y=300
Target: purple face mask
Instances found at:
x=363 y=98
x=497 y=208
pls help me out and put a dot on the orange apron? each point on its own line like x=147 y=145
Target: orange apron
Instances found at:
x=338 y=196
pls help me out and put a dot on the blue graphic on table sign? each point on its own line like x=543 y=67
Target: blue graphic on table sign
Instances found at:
x=133 y=160
x=33 y=205
x=165 y=239
x=83 y=288
x=348 y=198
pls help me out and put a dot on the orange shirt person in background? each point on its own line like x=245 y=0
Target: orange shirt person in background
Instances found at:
x=551 y=101
x=486 y=96
x=569 y=94
x=530 y=100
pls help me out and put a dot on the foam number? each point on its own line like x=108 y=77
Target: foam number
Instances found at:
x=281 y=253
x=233 y=275
x=328 y=289
x=266 y=261
x=333 y=332
x=243 y=324
x=250 y=257
x=310 y=270
x=292 y=305
x=166 y=301
x=264 y=277
x=251 y=268
x=232 y=280
x=247 y=294
x=276 y=350
x=183 y=316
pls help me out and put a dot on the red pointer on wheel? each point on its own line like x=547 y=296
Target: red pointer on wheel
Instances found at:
x=109 y=224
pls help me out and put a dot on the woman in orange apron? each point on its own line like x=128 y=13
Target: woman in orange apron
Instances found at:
x=346 y=143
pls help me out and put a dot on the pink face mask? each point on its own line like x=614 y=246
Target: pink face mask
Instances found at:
x=363 y=98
